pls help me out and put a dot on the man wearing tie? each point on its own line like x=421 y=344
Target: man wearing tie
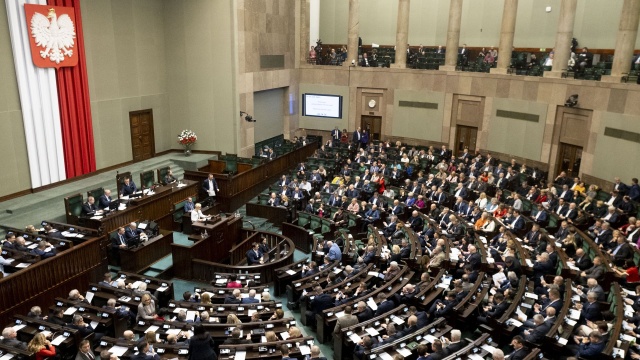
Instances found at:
x=128 y=187
x=118 y=241
x=253 y=255
x=461 y=191
x=335 y=135
x=89 y=208
x=211 y=187
x=371 y=217
x=84 y=351
x=519 y=350
x=518 y=222
x=189 y=205
x=356 y=136
x=105 y=199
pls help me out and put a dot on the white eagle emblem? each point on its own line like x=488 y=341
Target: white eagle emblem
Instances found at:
x=56 y=37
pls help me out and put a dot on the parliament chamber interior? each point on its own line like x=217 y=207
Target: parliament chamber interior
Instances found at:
x=306 y=179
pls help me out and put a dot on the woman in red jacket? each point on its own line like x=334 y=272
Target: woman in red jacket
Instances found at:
x=41 y=347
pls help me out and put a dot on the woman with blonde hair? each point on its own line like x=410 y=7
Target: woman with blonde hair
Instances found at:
x=205 y=299
x=294 y=333
x=265 y=296
x=147 y=308
x=270 y=336
x=41 y=347
x=482 y=200
x=233 y=319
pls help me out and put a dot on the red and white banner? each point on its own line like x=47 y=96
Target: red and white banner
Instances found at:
x=55 y=104
x=52 y=35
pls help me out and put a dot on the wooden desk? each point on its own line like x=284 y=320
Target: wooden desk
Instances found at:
x=158 y=207
x=154 y=249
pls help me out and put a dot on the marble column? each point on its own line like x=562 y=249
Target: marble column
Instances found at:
x=354 y=25
x=507 y=30
x=562 y=49
x=625 y=41
x=402 y=34
x=305 y=43
x=453 y=36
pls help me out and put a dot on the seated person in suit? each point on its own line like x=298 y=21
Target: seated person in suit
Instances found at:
x=105 y=199
x=519 y=350
x=253 y=255
x=128 y=187
x=251 y=299
x=52 y=232
x=145 y=352
x=89 y=208
x=44 y=250
x=10 y=338
x=119 y=240
x=539 y=331
x=235 y=338
x=189 y=205
x=169 y=178
x=455 y=343
x=234 y=298
x=131 y=231
x=83 y=328
x=591 y=346
x=494 y=310
x=84 y=351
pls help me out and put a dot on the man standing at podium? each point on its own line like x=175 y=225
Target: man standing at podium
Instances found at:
x=211 y=187
x=118 y=241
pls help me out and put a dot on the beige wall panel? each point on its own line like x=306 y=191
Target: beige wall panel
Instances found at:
x=614 y=156
x=414 y=122
x=506 y=135
x=334 y=16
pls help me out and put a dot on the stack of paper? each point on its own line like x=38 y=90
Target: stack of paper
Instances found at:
x=290 y=272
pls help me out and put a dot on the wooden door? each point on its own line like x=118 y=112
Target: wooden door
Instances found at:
x=569 y=159
x=466 y=136
x=142 y=140
x=373 y=125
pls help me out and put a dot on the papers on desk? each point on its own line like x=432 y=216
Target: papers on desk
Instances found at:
x=250 y=312
x=430 y=338
x=221 y=281
x=69 y=234
x=172 y=332
x=89 y=296
x=573 y=267
x=340 y=314
x=385 y=356
x=18 y=327
x=474 y=357
x=514 y=322
x=80 y=236
x=371 y=331
x=355 y=338
x=629 y=338
x=94 y=324
x=163 y=288
x=488 y=348
x=32 y=246
x=46 y=333
x=152 y=328
x=178 y=309
x=372 y=304
x=191 y=315
x=521 y=315
x=124 y=299
x=531 y=295
x=58 y=340
x=97 y=217
x=122 y=206
x=284 y=335
x=574 y=314
x=337 y=270
x=404 y=352
x=562 y=341
x=570 y=322
x=70 y=311
x=290 y=272
x=118 y=350
x=125 y=197
x=142 y=226
x=396 y=320
x=136 y=284
x=7 y=356
x=498 y=278
x=304 y=349
x=575 y=298
x=181 y=185
x=617 y=351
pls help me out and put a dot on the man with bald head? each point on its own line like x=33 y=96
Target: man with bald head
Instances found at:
x=415 y=221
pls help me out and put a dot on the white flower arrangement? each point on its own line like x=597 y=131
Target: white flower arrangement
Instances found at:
x=187 y=137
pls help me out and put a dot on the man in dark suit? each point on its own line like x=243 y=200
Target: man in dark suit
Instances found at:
x=84 y=351
x=89 y=208
x=210 y=187
x=412 y=327
x=144 y=353
x=416 y=221
x=384 y=304
x=590 y=310
x=591 y=346
x=335 y=134
x=10 y=338
x=320 y=302
x=357 y=135
x=541 y=217
x=131 y=231
x=539 y=331
x=390 y=228
x=253 y=255
x=519 y=350
x=128 y=187
x=405 y=249
x=518 y=223
x=105 y=200
x=582 y=261
x=364 y=312
x=494 y=311
x=234 y=298
x=78 y=323
x=235 y=338
x=622 y=250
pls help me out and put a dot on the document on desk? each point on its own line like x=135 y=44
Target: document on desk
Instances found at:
x=304 y=349
x=70 y=310
x=58 y=340
x=574 y=314
x=173 y=331
x=474 y=357
x=7 y=356
x=250 y=312
x=488 y=348
x=355 y=338
x=372 y=304
x=181 y=185
x=18 y=327
x=89 y=296
x=397 y=320
x=22 y=265
x=142 y=226
x=290 y=272
x=177 y=310
x=404 y=352
x=94 y=324
x=372 y=331
x=385 y=356
x=163 y=288
x=191 y=315
x=284 y=335
x=118 y=350
x=340 y=314
x=97 y=217
x=152 y=328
